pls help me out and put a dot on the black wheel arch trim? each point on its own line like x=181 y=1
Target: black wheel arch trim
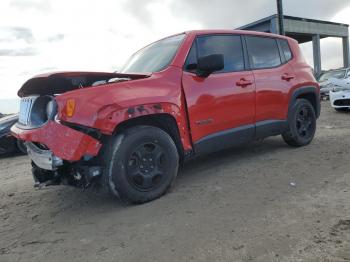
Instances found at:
x=304 y=91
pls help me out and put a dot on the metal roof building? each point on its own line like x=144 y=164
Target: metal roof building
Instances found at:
x=306 y=30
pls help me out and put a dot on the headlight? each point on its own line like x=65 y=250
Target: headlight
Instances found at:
x=44 y=108
x=51 y=109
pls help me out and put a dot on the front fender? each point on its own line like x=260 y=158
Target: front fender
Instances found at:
x=111 y=116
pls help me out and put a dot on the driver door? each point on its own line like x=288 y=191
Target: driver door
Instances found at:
x=221 y=106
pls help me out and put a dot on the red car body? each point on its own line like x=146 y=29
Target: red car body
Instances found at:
x=201 y=112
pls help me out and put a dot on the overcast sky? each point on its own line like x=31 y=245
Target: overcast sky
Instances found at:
x=38 y=36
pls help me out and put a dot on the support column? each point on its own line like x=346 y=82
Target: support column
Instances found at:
x=346 y=57
x=316 y=46
x=280 y=17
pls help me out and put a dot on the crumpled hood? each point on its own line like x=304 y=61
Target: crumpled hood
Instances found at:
x=61 y=82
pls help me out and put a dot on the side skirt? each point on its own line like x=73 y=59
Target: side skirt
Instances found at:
x=239 y=135
x=268 y=128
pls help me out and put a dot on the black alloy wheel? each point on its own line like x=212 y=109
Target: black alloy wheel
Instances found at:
x=301 y=124
x=145 y=168
x=142 y=164
x=304 y=122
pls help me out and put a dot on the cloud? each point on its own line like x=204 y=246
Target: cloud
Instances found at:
x=233 y=14
x=222 y=14
x=37 y=5
x=139 y=11
x=316 y=9
x=55 y=38
x=19 y=52
x=10 y=34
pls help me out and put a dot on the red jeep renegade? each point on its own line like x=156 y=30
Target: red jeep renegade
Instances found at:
x=182 y=96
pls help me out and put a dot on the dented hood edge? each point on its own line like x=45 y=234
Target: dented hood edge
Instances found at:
x=61 y=82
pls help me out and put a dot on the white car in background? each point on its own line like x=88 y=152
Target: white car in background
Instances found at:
x=340 y=94
x=326 y=80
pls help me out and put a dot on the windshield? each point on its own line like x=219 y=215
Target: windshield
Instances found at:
x=333 y=74
x=154 y=57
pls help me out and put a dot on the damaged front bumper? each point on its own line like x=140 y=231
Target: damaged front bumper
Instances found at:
x=42 y=158
x=60 y=154
x=64 y=142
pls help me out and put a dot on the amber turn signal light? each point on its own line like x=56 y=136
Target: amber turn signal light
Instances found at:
x=70 y=107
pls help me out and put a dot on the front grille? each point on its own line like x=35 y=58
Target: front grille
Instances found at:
x=342 y=102
x=25 y=109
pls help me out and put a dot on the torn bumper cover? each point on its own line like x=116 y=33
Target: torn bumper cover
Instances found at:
x=62 y=142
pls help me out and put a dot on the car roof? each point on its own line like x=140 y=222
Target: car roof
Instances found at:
x=229 y=31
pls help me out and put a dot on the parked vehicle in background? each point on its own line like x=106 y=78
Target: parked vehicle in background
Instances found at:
x=326 y=80
x=183 y=96
x=8 y=143
x=340 y=94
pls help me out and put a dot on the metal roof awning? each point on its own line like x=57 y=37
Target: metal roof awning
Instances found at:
x=305 y=30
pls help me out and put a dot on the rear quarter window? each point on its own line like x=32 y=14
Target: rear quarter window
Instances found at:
x=285 y=49
x=263 y=52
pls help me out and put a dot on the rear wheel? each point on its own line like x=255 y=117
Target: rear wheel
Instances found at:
x=302 y=124
x=143 y=164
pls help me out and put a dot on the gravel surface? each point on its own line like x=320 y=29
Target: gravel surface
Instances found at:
x=261 y=202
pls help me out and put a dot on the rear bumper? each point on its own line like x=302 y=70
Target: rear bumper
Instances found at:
x=64 y=142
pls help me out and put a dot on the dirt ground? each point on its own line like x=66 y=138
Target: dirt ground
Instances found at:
x=261 y=202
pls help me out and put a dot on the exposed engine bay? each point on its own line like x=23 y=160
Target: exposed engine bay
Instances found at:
x=61 y=82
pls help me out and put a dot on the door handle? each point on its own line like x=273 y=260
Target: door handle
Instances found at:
x=287 y=77
x=243 y=82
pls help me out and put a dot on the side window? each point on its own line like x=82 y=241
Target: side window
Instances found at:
x=263 y=52
x=286 y=49
x=228 y=45
x=191 y=60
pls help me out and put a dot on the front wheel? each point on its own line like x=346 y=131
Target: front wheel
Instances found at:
x=143 y=164
x=302 y=124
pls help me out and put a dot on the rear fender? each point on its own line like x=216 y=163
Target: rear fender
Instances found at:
x=304 y=91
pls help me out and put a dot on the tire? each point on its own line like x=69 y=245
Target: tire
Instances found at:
x=342 y=109
x=21 y=146
x=143 y=164
x=302 y=124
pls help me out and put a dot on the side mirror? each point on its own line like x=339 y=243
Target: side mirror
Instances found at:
x=209 y=64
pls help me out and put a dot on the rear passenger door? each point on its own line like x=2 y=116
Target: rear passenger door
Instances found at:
x=273 y=76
